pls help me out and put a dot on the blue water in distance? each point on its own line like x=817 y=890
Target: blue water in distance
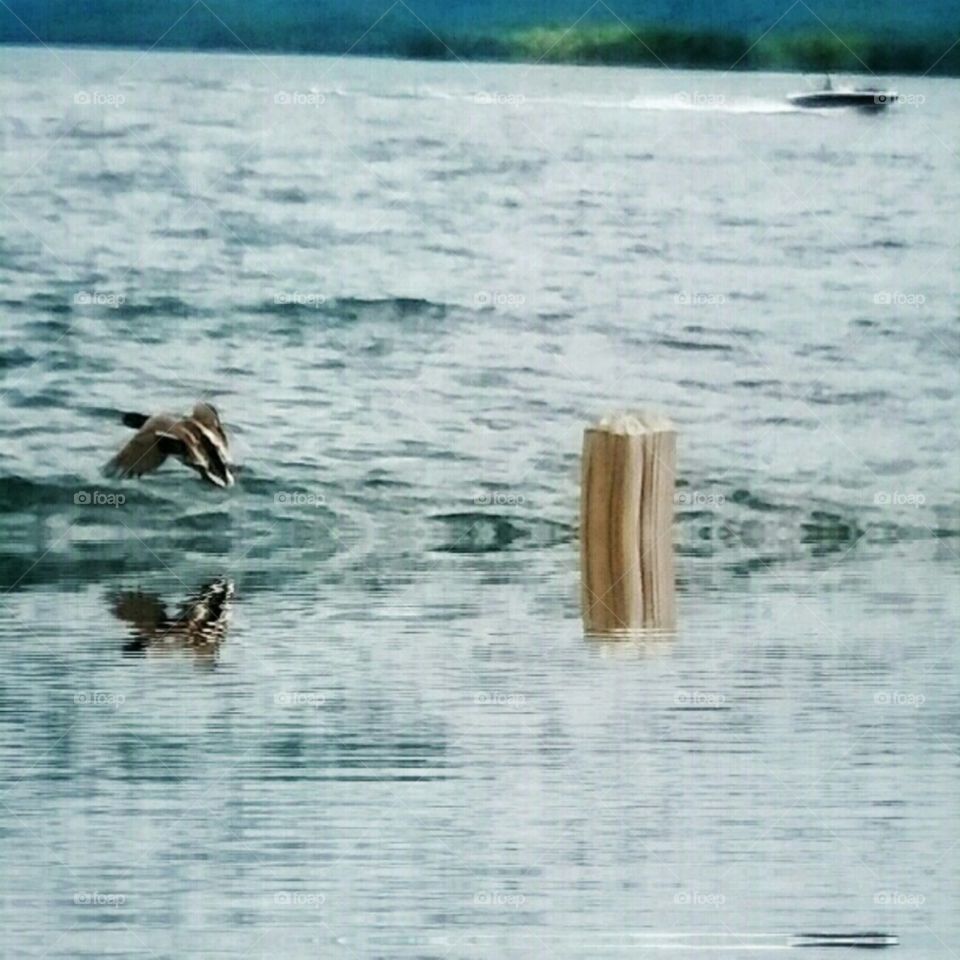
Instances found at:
x=347 y=707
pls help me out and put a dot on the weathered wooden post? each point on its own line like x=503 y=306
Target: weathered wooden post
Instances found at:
x=626 y=523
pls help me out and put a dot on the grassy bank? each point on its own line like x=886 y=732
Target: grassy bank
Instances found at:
x=302 y=30
x=664 y=46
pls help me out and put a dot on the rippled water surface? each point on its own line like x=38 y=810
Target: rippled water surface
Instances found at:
x=347 y=707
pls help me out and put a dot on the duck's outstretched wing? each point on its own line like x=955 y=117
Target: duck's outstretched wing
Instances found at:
x=145 y=451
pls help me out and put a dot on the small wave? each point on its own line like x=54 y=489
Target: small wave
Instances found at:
x=47 y=302
x=156 y=307
x=727 y=331
x=18 y=357
x=195 y=233
x=757 y=384
x=844 y=398
x=754 y=501
x=286 y=195
x=211 y=124
x=883 y=245
x=728 y=221
x=645 y=250
x=675 y=344
x=79 y=133
x=752 y=297
x=388 y=309
x=379 y=480
x=110 y=181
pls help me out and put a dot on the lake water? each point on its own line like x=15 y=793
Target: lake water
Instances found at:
x=347 y=708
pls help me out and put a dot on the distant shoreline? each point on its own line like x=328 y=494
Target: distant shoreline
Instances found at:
x=640 y=46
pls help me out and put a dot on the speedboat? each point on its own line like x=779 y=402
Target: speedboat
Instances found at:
x=864 y=98
x=871 y=939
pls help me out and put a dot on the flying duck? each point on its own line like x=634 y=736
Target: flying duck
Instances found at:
x=198 y=441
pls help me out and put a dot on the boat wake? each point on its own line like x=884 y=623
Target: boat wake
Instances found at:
x=695 y=101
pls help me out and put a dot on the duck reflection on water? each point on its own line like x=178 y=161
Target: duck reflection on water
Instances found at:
x=199 y=625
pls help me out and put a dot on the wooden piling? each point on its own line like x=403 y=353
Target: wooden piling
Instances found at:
x=626 y=523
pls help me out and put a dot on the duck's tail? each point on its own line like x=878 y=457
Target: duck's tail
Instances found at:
x=134 y=420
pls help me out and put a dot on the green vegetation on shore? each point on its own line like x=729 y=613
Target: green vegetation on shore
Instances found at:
x=666 y=46
x=302 y=26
